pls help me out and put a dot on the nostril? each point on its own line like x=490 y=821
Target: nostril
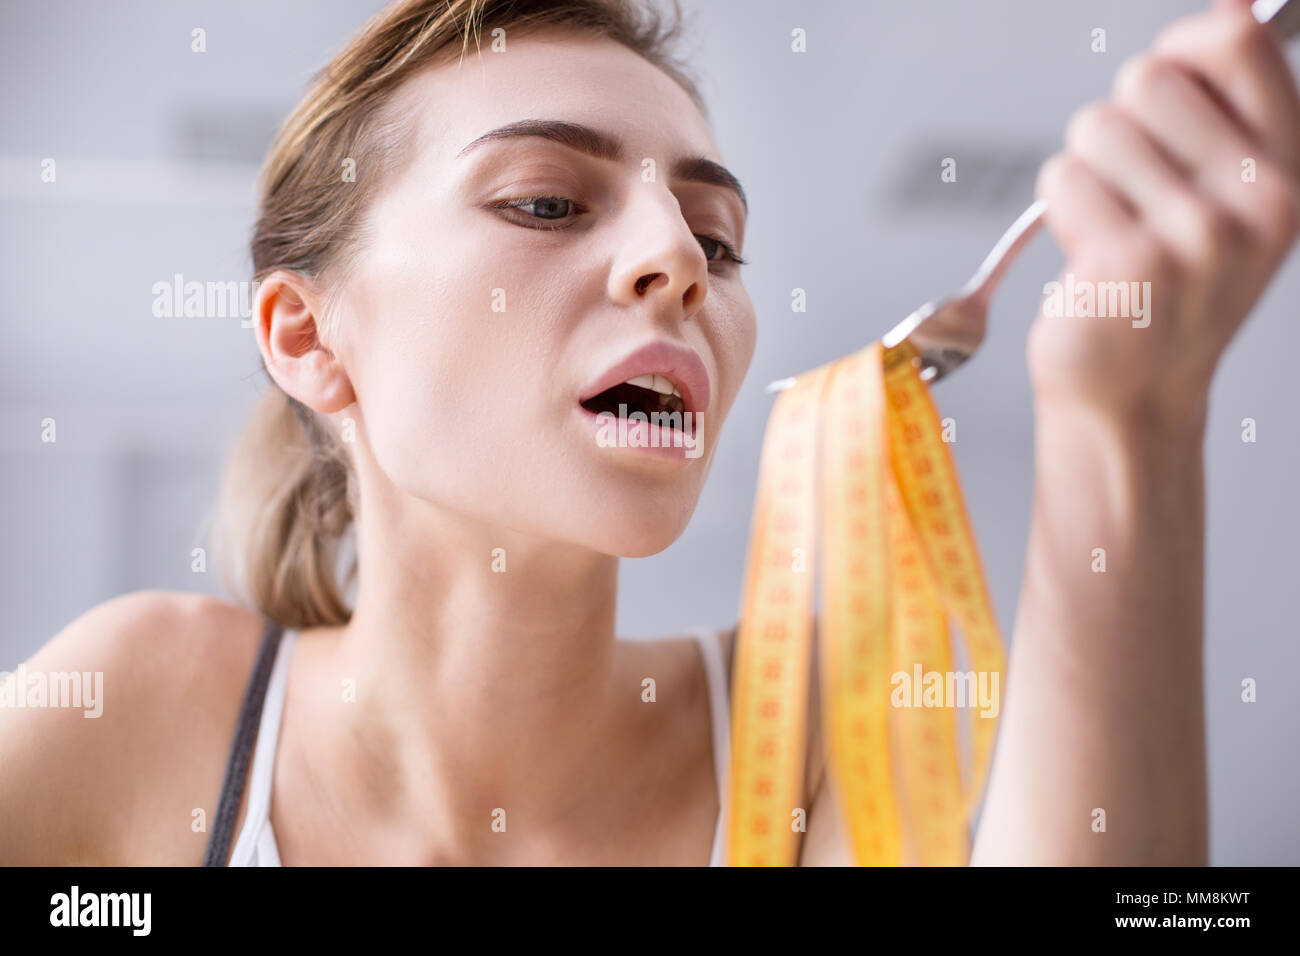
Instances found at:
x=691 y=300
x=643 y=283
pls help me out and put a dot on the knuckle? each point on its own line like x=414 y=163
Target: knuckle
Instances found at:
x=1090 y=122
x=1243 y=38
x=1236 y=36
x=1142 y=79
x=1175 y=35
x=1057 y=170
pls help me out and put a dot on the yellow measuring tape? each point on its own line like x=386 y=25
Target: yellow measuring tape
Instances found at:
x=855 y=473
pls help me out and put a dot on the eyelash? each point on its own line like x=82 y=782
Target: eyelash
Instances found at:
x=577 y=207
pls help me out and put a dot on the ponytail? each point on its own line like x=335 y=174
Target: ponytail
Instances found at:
x=288 y=496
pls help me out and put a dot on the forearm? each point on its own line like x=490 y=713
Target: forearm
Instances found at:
x=1104 y=700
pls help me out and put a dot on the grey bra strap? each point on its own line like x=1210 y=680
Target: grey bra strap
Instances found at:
x=232 y=788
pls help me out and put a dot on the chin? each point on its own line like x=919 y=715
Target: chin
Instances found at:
x=636 y=531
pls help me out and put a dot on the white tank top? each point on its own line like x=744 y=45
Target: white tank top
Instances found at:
x=255 y=845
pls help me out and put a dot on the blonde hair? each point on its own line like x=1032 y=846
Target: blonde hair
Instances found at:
x=288 y=494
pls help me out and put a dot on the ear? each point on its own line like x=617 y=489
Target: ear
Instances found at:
x=287 y=311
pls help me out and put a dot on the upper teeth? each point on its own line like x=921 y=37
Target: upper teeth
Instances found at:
x=655 y=383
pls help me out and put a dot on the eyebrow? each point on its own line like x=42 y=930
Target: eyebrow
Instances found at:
x=604 y=145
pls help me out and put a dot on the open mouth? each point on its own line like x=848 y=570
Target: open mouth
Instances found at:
x=649 y=394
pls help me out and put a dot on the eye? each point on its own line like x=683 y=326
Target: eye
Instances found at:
x=713 y=245
x=546 y=212
x=550 y=212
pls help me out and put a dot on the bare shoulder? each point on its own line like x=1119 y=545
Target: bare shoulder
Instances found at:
x=127 y=716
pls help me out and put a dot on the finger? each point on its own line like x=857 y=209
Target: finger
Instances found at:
x=1242 y=62
x=1121 y=153
x=1188 y=124
x=1083 y=212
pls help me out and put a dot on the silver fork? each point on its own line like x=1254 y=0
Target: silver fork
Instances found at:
x=946 y=332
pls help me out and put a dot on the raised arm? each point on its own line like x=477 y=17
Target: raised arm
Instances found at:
x=1186 y=187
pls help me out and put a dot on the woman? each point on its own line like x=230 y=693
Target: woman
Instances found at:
x=465 y=253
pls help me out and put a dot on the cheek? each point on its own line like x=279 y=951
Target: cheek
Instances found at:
x=735 y=341
x=439 y=402
x=450 y=366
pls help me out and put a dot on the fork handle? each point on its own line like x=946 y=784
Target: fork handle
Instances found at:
x=1282 y=15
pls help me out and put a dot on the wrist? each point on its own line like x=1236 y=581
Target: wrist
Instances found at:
x=1141 y=421
x=1121 y=474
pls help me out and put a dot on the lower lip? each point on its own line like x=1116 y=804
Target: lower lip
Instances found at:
x=642 y=438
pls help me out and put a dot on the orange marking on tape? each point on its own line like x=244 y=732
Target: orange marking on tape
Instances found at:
x=855 y=476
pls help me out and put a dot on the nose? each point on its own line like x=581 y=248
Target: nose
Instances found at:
x=659 y=256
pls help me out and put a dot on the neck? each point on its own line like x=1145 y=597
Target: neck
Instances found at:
x=484 y=668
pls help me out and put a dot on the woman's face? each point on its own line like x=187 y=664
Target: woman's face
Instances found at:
x=472 y=331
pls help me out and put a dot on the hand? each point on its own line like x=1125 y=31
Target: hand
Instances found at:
x=1188 y=178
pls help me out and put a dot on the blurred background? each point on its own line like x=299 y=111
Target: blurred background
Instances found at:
x=839 y=148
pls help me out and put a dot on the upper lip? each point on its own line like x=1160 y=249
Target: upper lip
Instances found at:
x=680 y=364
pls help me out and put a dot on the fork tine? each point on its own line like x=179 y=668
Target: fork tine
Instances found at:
x=985 y=277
